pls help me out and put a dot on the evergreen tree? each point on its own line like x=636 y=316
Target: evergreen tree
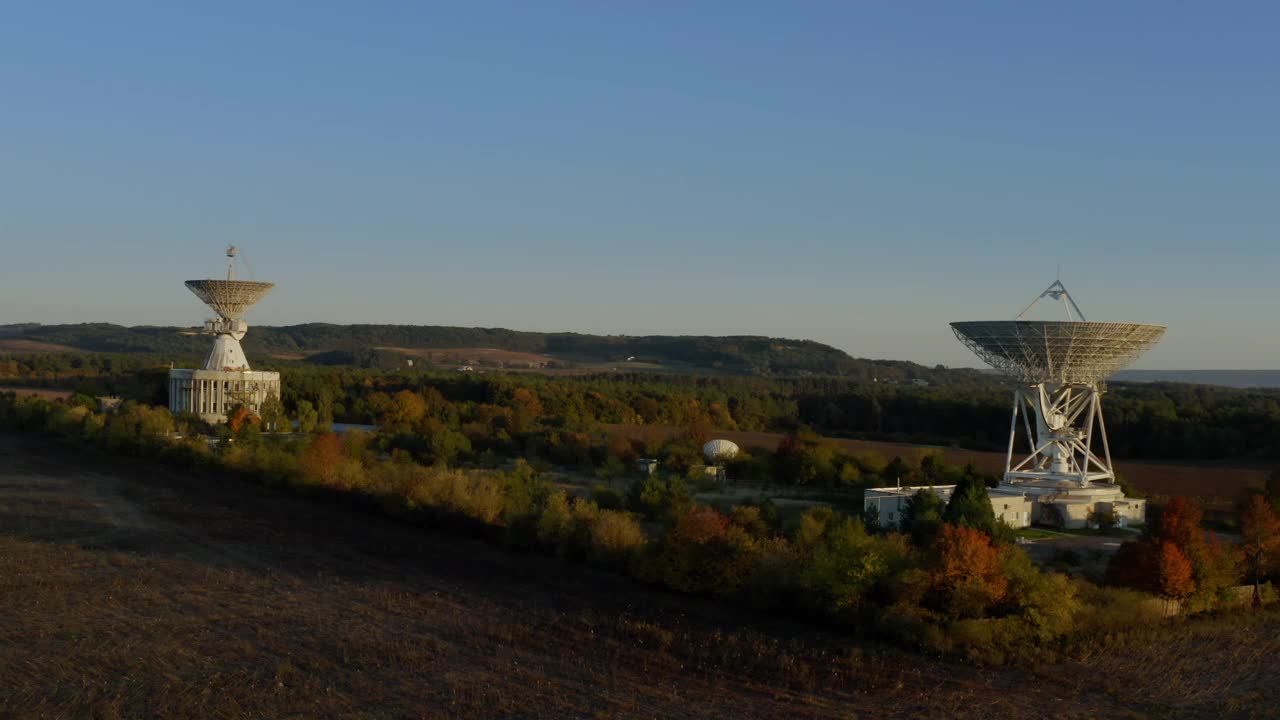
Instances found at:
x=969 y=505
x=922 y=516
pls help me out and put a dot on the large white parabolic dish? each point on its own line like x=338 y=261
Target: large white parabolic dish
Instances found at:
x=229 y=298
x=1057 y=351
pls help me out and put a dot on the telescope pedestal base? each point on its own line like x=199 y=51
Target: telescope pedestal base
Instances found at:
x=211 y=393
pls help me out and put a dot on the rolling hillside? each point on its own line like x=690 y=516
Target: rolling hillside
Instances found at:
x=373 y=345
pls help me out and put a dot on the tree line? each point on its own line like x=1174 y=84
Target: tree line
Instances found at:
x=1156 y=420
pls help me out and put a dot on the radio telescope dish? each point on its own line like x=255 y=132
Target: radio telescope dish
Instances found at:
x=1058 y=366
x=230 y=298
x=1062 y=352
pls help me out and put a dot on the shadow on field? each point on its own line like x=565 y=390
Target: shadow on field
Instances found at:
x=131 y=590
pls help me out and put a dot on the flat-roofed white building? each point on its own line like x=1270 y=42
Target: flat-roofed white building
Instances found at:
x=888 y=502
x=1021 y=505
x=1014 y=508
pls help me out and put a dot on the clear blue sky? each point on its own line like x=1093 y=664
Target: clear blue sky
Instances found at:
x=858 y=173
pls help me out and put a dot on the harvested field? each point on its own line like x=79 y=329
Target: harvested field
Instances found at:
x=131 y=591
x=1209 y=481
x=23 y=345
x=46 y=393
x=471 y=355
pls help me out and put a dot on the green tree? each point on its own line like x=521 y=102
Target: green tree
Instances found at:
x=970 y=505
x=922 y=516
x=897 y=471
x=448 y=445
x=308 y=418
x=272 y=414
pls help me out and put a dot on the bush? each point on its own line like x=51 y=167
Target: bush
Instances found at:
x=615 y=538
x=555 y=524
x=608 y=498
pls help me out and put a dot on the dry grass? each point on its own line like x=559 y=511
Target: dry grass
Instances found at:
x=130 y=591
x=45 y=393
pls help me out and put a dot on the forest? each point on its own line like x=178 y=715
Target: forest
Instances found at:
x=1159 y=421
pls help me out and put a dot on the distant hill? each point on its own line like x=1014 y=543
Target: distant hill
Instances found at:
x=373 y=345
x=1226 y=378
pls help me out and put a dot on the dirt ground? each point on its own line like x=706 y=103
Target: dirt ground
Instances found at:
x=134 y=592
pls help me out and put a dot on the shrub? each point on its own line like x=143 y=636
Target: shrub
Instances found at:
x=608 y=498
x=839 y=565
x=555 y=523
x=615 y=538
x=750 y=519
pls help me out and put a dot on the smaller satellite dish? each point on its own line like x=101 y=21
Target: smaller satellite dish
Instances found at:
x=719 y=450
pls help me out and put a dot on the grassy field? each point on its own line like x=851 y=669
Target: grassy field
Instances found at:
x=1209 y=481
x=130 y=591
x=46 y=393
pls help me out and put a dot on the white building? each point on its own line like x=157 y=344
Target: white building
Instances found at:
x=211 y=393
x=1020 y=505
x=889 y=502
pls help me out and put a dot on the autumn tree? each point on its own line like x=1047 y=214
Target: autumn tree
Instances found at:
x=1174 y=572
x=1179 y=523
x=240 y=416
x=404 y=411
x=1259 y=537
x=526 y=409
x=322 y=460
x=967 y=576
x=1147 y=563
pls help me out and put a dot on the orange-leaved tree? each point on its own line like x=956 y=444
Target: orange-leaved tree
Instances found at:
x=968 y=574
x=1179 y=523
x=1259 y=537
x=323 y=460
x=1174 y=572
x=695 y=553
x=239 y=417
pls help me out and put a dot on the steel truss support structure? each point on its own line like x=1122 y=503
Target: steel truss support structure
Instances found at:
x=1059 y=420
